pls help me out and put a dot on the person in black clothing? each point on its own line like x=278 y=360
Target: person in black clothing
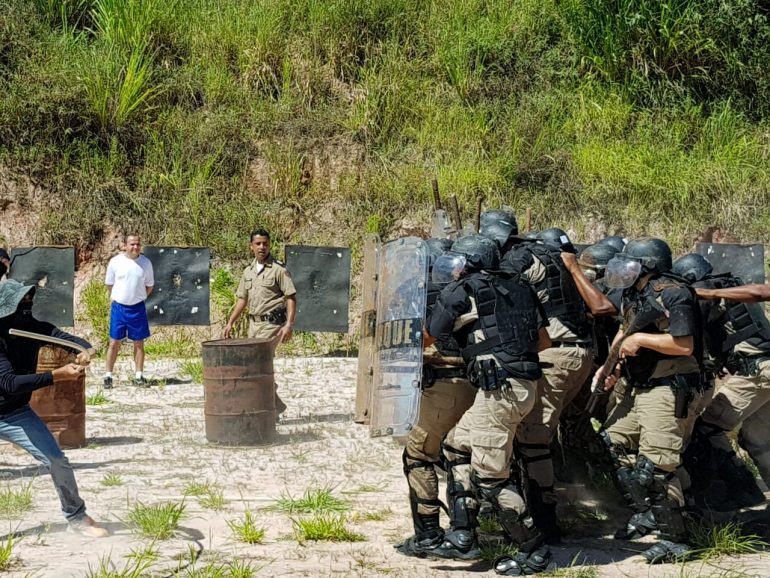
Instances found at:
x=19 y=424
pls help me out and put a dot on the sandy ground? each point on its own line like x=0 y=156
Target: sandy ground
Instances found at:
x=154 y=440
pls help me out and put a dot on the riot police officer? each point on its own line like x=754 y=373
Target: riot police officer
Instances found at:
x=500 y=326
x=657 y=344
x=736 y=335
x=567 y=364
x=446 y=395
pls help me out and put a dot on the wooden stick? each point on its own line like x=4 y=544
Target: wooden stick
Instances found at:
x=436 y=196
x=454 y=214
x=478 y=212
x=528 y=219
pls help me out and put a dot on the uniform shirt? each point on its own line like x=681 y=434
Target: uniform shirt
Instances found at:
x=267 y=289
x=18 y=363
x=678 y=319
x=129 y=279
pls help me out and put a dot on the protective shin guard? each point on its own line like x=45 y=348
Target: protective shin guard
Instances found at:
x=519 y=527
x=636 y=486
x=425 y=508
x=544 y=512
x=668 y=513
x=461 y=500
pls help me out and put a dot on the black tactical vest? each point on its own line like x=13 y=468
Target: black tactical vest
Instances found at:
x=747 y=320
x=564 y=301
x=507 y=316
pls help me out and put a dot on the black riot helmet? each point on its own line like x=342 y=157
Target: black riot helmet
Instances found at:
x=436 y=247
x=499 y=225
x=692 y=267
x=654 y=254
x=480 y=252
x=639 y=257
x=615 y=241
x=558 y=239
x=596 y=257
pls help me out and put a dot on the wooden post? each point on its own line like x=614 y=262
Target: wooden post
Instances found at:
x=528 y=219
x=436 y=196
x=454 y=214
x=478 y=213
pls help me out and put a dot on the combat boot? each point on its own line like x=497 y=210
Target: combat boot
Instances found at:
x=457 y=545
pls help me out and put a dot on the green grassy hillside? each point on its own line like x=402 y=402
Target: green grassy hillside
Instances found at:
x=193 y=120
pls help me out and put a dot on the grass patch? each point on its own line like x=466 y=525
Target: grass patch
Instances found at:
x=197 y=489
x=375 y=516
x=246 y=529
x=312 y=501
x=489 y=525
x=112 y=479
x=491 y=551
x=214 y=499
x=193 y=368
x=6 y=553
x=176 y=344
x=325 y=527
x=95 y=301
x=135 y=567
x=15 y=502
x=724 y=540
x=98 y=398
x=156 y=521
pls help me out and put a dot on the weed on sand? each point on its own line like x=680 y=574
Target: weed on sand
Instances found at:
x=312 y=501
x=326 y=527
x=157 y=521
x=15 y=501
x=246 y=529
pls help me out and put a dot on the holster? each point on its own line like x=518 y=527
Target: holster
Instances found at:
x=277 y=316
x=485 y=374
x=682 y=385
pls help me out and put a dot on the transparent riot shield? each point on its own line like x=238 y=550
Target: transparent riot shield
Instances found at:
x=401 y=300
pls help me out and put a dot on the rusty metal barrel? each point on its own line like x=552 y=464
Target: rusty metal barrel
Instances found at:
x=239 y=391
x=61 y=406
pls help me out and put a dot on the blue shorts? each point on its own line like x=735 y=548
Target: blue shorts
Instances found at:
x=129 y=319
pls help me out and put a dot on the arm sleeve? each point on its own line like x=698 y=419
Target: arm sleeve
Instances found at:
x=12 y=384
x=451 y=303
x=149 y=274
x=109 y=277
x=681 y=311
x=285 y=283
x=241 y=293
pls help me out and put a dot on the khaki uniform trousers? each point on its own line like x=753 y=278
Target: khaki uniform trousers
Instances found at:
x=441 y=407
x=264 y=330
x=744 y=400
x=565 y=370
x=644 y=423
x=486 y=432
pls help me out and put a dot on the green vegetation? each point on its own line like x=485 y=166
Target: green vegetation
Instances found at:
x=98 y=398
x=112 y=479
x=15 y=501
x=194 y=369
x=327 y=527
x=6 y=553
x=314 y=500
x=322 y=120
x=725 y=540
x=96 y=309
x=156 y=521
x=246 y=529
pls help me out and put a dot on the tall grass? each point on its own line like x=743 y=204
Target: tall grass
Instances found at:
x=192 y=122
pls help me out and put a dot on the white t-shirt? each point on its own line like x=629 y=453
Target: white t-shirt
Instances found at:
x=129 y=279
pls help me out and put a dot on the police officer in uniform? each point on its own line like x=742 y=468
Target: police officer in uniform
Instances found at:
x=268 y=292
x=658 y=344
x=566 y=365
x=446 y=395
x=500 y=326
x=737 y=336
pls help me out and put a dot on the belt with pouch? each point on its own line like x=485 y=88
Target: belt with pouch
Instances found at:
x=692 y=380
x=580 y=344
x=739 y=364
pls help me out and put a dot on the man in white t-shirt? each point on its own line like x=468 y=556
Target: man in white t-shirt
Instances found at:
x=130 y=281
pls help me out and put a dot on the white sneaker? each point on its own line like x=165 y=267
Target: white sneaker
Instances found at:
x=87 y=526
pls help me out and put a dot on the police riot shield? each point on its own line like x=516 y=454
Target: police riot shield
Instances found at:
x=372 y=248
x=744 y=261
x=401 y=301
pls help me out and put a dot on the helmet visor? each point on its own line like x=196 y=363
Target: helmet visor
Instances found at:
x=447 y=268
x=622 y=272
